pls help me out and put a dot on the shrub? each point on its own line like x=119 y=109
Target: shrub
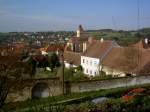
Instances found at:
x=79 y=68
x=102 y=76
x=68 y=74
x=78 y=76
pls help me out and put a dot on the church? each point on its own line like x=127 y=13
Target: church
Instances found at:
x=78 y=43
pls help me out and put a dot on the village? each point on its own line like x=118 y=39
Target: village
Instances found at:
x=81 y=63
x=74 y=56
x=92 y=55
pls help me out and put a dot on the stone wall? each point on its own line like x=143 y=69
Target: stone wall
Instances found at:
x=23 y=90
x=107 y=84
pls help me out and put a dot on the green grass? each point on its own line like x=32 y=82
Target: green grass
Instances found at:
x=41 y=73
x=122 y=38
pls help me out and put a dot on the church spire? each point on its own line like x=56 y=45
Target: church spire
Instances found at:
x=79 y=30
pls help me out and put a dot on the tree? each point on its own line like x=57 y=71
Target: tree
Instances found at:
x=79 y=68
x=11 y=73
x=32 y=66
x=138 y=35
x=54 y=61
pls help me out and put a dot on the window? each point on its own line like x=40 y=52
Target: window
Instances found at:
x=83 y=61
x=91 y=62
x=86 y=70
x=90 y=71
x=95 y=64
x=87 y=62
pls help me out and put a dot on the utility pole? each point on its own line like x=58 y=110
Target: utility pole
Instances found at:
x=63 y=85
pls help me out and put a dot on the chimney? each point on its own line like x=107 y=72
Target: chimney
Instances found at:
x=146 y=40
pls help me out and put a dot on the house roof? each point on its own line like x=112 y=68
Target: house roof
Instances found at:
x=141 y=44
x=15 y=48
x=77 y=39
x=145 y=69
x=72 y=57
x=9 y=60
x=127 y=59
x=55 y=47
x=116 y=59
x=39 y=58
x=97 y=48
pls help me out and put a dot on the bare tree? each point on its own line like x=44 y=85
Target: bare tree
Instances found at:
x=11 y=73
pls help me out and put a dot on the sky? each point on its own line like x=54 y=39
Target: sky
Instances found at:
x=54 y=15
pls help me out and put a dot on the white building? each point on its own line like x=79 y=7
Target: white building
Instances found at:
x=95 y=53
x=90 y=65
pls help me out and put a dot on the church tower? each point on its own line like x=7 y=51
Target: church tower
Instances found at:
x=79 y=30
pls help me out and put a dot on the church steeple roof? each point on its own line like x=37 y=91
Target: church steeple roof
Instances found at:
x=80 y=28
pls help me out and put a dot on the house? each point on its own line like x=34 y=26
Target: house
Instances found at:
x=125 y=61
x=12 y=48
x=75 y=46
x=91 y=59
x=52 y=48
x=77 y=43
x=120 y=61
x=107 y=56
x=86 y=51
x=143 y=44
x=71 y=59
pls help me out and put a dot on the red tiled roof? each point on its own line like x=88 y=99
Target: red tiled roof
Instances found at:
x=142 y=45
x=39 y=58
x=97 y=48
x=9 y=60
x=72 y=57
x=127 y=59
x=122 y=58
x=55 y=47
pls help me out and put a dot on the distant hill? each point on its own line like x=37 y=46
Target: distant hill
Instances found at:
x=101 y=30
x=145 y=30
x=111 y=30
